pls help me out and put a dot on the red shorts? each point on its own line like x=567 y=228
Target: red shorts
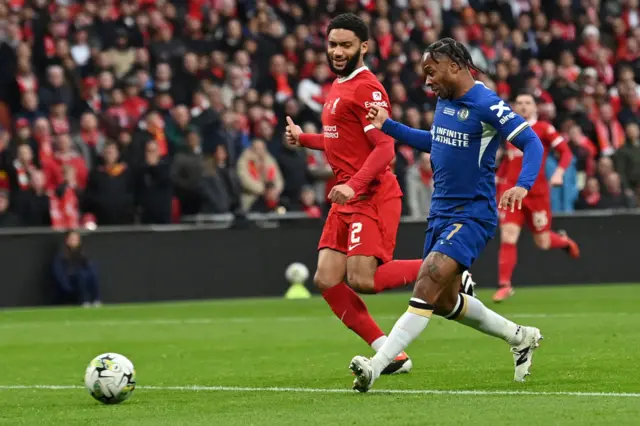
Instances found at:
x=370 y=231
x=536 y=213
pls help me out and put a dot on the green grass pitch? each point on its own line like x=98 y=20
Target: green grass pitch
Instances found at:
x=236 y=362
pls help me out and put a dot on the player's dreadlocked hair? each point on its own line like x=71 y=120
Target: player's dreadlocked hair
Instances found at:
x=455 y=50
x=351 y=22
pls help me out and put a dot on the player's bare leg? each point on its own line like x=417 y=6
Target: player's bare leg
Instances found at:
x=362 y=272
x=507 y=259
x=550 y=240
x=437 y=291
x=347 y=305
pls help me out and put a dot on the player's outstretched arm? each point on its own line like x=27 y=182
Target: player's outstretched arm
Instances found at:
x=529 y=143
x=416 y=138
x=525 y=139
x=561 y=147
x=312 y=141
x=515 y=129
x=384 y=150
x=308 y=140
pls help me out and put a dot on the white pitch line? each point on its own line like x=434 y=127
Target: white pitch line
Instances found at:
x=341 y=391
x=196 y=321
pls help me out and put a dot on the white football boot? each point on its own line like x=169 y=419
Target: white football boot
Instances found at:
x=363 y=370
x=468 y=286
x=523 y=353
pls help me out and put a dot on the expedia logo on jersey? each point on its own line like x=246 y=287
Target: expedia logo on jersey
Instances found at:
x=450 y=137
x=330 y=132
x=377 y=101
x=380 y=104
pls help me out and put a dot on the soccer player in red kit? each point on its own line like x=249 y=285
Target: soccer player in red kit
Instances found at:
x=359 y=235
x=536 y=208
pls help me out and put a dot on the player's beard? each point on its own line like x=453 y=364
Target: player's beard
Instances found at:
x=349 y=67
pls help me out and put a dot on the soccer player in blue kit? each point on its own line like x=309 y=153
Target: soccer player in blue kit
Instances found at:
x=470 y=119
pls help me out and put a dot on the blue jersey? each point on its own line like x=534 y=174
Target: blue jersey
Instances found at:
x=463 y=142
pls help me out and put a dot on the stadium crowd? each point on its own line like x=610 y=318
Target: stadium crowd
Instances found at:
x=142 y=111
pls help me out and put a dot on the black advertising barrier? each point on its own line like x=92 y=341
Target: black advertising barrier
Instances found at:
x=202 y=262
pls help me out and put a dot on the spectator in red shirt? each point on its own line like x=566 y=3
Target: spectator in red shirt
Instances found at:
x=21 y=170
x=609 y=131
x=583 y=149
x=591 y=46
x=309 y=204
x=66 y=155
x=590 y=197
x=64 y=202
x=58 y=117
x=134 y=105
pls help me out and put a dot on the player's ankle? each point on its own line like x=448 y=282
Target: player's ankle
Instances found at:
x=517 y=337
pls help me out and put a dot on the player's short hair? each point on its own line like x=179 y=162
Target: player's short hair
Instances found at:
x=454 y=50
x=351 y=22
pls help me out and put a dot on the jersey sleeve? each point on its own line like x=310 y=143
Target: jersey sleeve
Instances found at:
x=498 y=114
x=512 y=127
x=556 y=142
x=380 y=157
x=552 y=137
x=369 y=94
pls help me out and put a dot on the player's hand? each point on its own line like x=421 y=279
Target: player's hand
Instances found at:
x=377 y=116
x=557 y=178
x=512 y=198
x=293 y=132
x=340 y=194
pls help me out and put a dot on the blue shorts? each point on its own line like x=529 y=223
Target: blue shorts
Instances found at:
x=462 y=239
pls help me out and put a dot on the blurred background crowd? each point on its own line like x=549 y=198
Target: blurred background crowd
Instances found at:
x=145 y=111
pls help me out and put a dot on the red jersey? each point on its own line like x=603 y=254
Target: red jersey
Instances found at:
x=511 y=165
x=344 y=125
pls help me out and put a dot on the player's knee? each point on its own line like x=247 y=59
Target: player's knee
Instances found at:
x=509 y=234
x=361 y=282
x=435 y=283
x=445 y=303
x=323 y=281
x=542 y=241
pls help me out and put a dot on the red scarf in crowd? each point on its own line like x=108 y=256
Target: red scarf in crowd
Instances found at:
x=64 y=210
x=90 y=137
x=27 y=83
x=160 y=138
x=282 y=85
x=59 y=125
x=95 y=103
x=610 y=137
x=592 y=198
x=22 y=173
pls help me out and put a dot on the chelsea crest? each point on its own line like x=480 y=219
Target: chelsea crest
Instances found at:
x=463 y=114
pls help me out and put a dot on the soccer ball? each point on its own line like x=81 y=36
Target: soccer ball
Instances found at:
x=297 y=273
x=110 y=378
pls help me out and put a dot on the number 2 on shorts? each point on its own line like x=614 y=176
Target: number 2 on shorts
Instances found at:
x=456 y=228
x=355 y=231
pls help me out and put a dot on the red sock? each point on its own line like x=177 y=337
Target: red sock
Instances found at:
x=557 y=241
x=397 y=273
x=507 y=258
x=352 y=311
